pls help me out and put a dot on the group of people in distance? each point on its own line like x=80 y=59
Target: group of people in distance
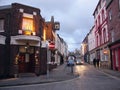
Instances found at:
x=96 y=62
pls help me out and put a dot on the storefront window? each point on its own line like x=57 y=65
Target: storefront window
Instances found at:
x=22 y=49
x=116 y=57
x=27 y=57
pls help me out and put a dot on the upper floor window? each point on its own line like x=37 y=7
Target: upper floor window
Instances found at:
x=104 y=36
x=103 y=16
x=98 y=20
x=1 y=25
x=27 y=26
x=97 y=41
x=96 y=24
x=110 y=15
x=119 y=4
x=112 y=35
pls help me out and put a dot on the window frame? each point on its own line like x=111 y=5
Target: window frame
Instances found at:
x=2 y=21
x=28 y=28
x=119 y=4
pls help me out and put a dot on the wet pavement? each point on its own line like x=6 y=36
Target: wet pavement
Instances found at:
x=58 y=74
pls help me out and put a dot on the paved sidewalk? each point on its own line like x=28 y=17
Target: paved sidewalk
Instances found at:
x=58 y=74
x=111 y=72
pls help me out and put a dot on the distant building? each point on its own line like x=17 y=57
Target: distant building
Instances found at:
x=91 y=44
x=62 y=50
x=84 y=49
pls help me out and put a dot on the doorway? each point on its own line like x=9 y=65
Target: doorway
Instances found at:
x=26 y=60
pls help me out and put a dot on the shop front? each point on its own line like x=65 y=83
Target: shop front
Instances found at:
x=26 y=60
x=26 y=54
x=115 y=51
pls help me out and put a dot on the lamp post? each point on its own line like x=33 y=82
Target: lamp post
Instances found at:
x=47 y=60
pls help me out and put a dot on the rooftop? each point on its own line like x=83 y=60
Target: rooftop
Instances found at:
x=5 y=7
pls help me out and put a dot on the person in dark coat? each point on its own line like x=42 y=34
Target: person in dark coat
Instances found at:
x=94 y=62
x=98 y=61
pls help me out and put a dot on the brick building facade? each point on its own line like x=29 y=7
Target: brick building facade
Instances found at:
x=113 y=13
x=101 y=33
x=20 y=32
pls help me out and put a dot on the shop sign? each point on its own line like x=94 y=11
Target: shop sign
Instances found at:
x=51 y=45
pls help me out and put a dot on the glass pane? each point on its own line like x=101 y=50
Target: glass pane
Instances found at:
x=26 y=57
x=1 y=25
x=27 y=26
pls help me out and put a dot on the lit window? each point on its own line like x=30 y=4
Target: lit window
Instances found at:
x=1 y=25
x=27 y=26
x=44 y=34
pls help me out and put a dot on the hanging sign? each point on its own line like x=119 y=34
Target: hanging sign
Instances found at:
x=51 y=45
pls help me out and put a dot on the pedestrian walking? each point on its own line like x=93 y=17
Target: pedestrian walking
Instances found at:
x=94 y=62
x=98 y=61
x=71 y=63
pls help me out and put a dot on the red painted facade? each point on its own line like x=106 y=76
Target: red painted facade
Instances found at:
x=101 y=33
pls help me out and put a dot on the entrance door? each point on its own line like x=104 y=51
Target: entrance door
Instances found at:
x=22 y=64
x=26 y=63
x=32 y=63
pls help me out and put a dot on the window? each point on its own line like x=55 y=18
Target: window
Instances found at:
x=97 y=41
x=104 y=36
x=112 y=35
x=27 y=26
x=116 y=57
x=98 y=20
x=96 y=24
x=119 y=4
x=1 y=25
x=27 y=57
x=100 y=37
x=103 y=16
x=110 y=15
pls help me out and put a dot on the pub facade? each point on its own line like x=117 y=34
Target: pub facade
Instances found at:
x=20 y=40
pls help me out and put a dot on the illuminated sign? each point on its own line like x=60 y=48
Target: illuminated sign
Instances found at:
x=105 y=51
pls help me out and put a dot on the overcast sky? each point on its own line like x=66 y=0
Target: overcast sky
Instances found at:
x=75 y=17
